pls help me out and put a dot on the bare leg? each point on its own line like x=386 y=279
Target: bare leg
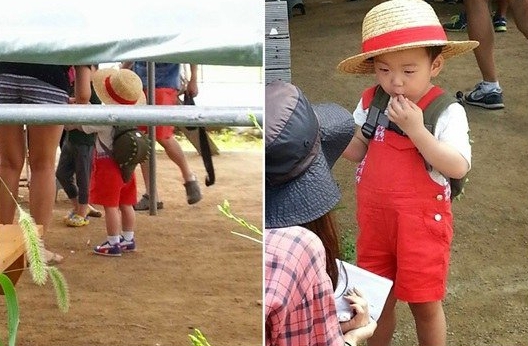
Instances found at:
x=43 y=143
x=146 y=177
x=480 y=29
x=112 y=220
x=430 y=323
x=12 y=156
x=386 y=324
x=176 y=154
x=128 y=217
x=502 y=7
x=520 y=14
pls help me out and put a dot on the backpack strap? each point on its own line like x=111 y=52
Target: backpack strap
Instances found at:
x=376 y=108
x=432 y=112
x=435 y=108
x=376 y=115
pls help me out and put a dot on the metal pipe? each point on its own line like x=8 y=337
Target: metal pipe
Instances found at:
x=129 y=115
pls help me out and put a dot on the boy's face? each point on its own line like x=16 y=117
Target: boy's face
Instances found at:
x=407 y=72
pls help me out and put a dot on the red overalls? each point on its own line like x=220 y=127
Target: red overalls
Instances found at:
x=404 y=217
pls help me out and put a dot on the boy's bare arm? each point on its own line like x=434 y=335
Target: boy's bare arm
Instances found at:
x=442 y=156
x=357 y=148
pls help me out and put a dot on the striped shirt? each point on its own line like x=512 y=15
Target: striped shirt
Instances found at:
x=300 y=307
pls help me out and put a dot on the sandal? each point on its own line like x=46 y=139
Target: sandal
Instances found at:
x=92 y=212
x=76 y=220
x=144 y=203
x=192 y=189
x=52 y=258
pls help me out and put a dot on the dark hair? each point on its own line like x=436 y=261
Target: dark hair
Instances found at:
x=326 y=229
x=434 y=51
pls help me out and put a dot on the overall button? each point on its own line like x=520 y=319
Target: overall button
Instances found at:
x=439 y=197
x=438 y=217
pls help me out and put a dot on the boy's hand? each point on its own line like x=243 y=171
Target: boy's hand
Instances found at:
x=405 y=113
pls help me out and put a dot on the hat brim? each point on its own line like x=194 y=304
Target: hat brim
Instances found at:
x=315 y=192
x=98 y=83
x=363 y=64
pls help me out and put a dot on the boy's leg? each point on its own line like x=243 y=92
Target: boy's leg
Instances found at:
x=386 y=324
x=430 y=323
x=128 y=217
x=112 y=221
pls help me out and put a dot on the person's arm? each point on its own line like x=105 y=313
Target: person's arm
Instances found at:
x=352 y=337
x=126 y=64
x=357 y=148
x=442 y=156
x=192 y=85
x=82 y=87
x=361 y=326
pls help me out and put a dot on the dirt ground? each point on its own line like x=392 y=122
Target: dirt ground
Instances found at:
x=487 y=300
x=189 y=271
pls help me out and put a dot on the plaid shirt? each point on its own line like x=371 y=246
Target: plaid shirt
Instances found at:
x=300 y=307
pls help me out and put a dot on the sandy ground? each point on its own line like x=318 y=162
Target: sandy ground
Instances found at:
x=189 y=271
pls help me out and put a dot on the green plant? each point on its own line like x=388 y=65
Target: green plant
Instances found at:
x=13 y=315
x=38 y=269
x=226 y=210
x=198 y=339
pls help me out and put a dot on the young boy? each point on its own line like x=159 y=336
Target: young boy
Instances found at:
x=403 y=209
x=108 y=188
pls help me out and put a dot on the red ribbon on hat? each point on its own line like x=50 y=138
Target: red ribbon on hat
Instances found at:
x=114 y=95
x=404 y=36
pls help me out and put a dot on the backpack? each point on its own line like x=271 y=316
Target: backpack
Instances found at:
x=130 y=147
x=431 y=113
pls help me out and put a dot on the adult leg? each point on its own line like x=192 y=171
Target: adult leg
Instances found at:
x=480 y=29
x=386 y=324
x=430 y=323
x=486 y=94
x=520 y=14
x=65 y=171
x=499 y=18
x=12 y=155
x=502 y=7
x=83 y=168
x=43 y=143
x=176 y=154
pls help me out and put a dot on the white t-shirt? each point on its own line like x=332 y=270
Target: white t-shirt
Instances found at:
x=452 y=128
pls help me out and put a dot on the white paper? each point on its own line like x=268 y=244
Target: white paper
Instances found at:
x=375 y=290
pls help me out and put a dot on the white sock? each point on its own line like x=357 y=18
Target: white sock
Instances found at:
x=489 y=86
x=128 y=235
x=113 y=239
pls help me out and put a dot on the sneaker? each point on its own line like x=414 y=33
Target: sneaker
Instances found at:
x=192 y=189
x=106 y=249
x=76 y=220
x=458 y=23
x=144 y=203
x=489 y=100
x=499 y=24
x=127 y=245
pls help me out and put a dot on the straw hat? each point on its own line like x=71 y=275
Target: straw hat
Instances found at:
x=397 y=25
x=303 y=142
x=121 y=87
